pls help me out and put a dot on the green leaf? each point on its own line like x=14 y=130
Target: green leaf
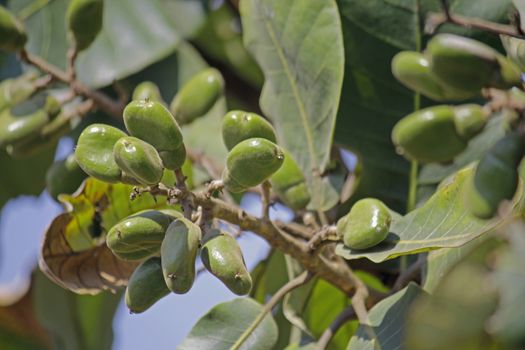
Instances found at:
x=24 y=176
x=387 y=320
x=372 y=101
x=77 y=322
x=222 y=326
x=74 y=253
x=298 y=44
x=135 y=34
x=442 y=222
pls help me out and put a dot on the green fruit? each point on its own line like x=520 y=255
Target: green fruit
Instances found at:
x=515 y=49
x=27 y=119
x=139 y=235
x=470 y=119
x=469 y=65
x=146 y=286
x=238 y=126
x=15 y=91
x=150 y=121
x=84 y=19
x=178 y=252
x=12 y=33
x=290 y=185
x=250 y=163
x=147 y=90
x=429 y=135
x=197 y=96
x=222 y=256
x=366 y=225
x=496 y=177
x=138 y=159
x=412 y=69
x=94 y=152
x=64 y=176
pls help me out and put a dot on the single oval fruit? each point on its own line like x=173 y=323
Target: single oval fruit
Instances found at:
x=147 y=90
x=12 y=33
x=17 y=90
x=84 y=19
x=94 y=152
x=290 y=185
x=222 y=256
x=197 y=96
x=250 y=163
x=515 y=49
x=150 y=121
x=496 y=177
x=469 y=65
x=146 y=286
x=238 y=126
x=366 y=225
x=64 y=176
x=139 y=235
x=470 y=120
x=27 y=119
x=138 y=159
x=178 y=252
x=429 y=135
x=412 y=69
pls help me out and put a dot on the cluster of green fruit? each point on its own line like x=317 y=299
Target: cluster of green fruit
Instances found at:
x=457 y=68
x=170 y=244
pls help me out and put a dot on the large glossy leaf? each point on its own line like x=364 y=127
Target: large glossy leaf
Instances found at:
x=298 y=44
x=442 y=222
x=223 y=325
x=74 y=252
x=387 y=320
x=76 y=322
x=372 y=101
x=135 y=34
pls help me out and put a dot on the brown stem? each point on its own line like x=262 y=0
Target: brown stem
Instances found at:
x=106 y=104
x=409 y=274
x=265 y=200
x=345 y=316
x=181 y=185
x=326 y=233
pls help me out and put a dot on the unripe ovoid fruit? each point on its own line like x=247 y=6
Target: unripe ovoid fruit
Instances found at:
x=222 y=256
x=470 y=119
x=150 y=121
x=178 y=252
x=84 y=19
x=469 y=65
x=515 y=49
x=12 y=34
x=238 y=126
x=94 y=152
x=250 y=163
x=26 y=119
x=366 y=225
x=64 y=176
x=496 y=177
x=412 y=69
x=138 y=159
x=290 y=185
x=17 y=90
x=197 y=96
x=147 y=90
x=139 y=235
x=146 y=286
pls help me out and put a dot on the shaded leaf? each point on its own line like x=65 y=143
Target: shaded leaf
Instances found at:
x=74 y=252
x=77 y=322
x=298 y=44
x=135 y=33
x=442 y=222
x=222 y=326
x=387 y=320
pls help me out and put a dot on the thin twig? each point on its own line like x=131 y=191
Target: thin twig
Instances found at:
x=326 y=233
x=72 y=55
x=276 y=298
x=345 y=316
x=106 y=104
x=181 y=185
x=411 y=273
x=265 y=200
